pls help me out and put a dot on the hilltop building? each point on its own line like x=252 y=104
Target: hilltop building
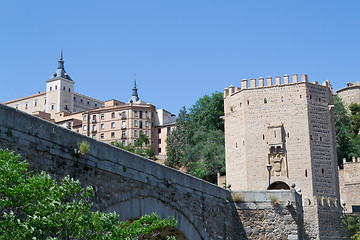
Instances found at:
x=350 y=93
x=281 y=134
x=105 y=121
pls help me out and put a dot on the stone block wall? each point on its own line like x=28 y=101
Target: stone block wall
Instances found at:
x=264 y=212
x=131 y=185
x=349 y=178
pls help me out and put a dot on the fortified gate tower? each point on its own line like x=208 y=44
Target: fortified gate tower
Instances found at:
x=290 y=126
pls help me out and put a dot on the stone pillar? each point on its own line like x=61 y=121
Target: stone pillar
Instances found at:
x=226 y=92
x=294 y=78
x=231 y=89
x=353 y=159
x=269 y=81
x=286 y=79
x=252 y=82
x=244 y=83
x=277 y=80
x=261 y=82
x=304 y=78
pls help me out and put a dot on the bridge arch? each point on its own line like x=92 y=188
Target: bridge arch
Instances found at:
x=136 y=207
x=278 y=185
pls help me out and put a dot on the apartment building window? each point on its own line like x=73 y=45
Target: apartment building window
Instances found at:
x=94 y=118
x=113 y=125
x=141 y=114
x=102 y=136
x=123 y=114
x=102 y=116
x=135 y=113
x=168 y=130
x=55 y=87
x=85 y=128
x=146 y=124
x=94 y=127
x=123 y=133
x=134 y=142
x=112 y=134
x=135 y=133
x=123 y=143
x=123 y=125
x=35 y=103
x=135 y=123
x=94 y=136
x=102 y=126
x=159 y=141
x=140 y=124
x=50 y=88
x=95 y=104
x=88 y=102
x=26 y=106
x=146 y=133
x=113 y=115
x=159 y=130
x=159 y=150
x=146 y=114
x=84 y=118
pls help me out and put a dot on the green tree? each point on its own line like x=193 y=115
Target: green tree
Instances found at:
x=198 y=142
x=34 y=206
x=355 y=117
x=138 y=148
x=178 y=148
x=206 y=112
x=209 y=150
x=344 y=143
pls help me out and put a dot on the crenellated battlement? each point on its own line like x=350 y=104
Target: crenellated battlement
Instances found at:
x=269 y=82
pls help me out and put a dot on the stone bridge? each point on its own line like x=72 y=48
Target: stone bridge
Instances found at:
x=133 y=186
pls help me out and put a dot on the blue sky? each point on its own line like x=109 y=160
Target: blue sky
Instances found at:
x=179 y=50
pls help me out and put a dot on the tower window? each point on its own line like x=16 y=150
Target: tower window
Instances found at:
x=26 y=106
x=140 y=124
x=64 y=88
x=69 y=90
x=50 y=88
x=282 y=99
x=306 y=173
x=112 y=134
x=112 y=115
x=66 y=107
x=35 y=103
x=55 y=87
x=52 y=106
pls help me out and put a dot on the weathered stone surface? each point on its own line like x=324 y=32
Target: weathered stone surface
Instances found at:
x=133 y=186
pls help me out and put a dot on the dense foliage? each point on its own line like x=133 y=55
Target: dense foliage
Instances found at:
x=34 y=206
x=197 y=143
x=140 y=147
x=347 y=130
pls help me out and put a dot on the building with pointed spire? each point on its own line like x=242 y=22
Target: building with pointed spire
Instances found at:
x=58 y=97
x=105 y=121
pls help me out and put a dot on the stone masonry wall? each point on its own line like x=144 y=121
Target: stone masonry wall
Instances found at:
x=129 y=184
x=290 y=126
x=262 y=212
x=349 y=178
